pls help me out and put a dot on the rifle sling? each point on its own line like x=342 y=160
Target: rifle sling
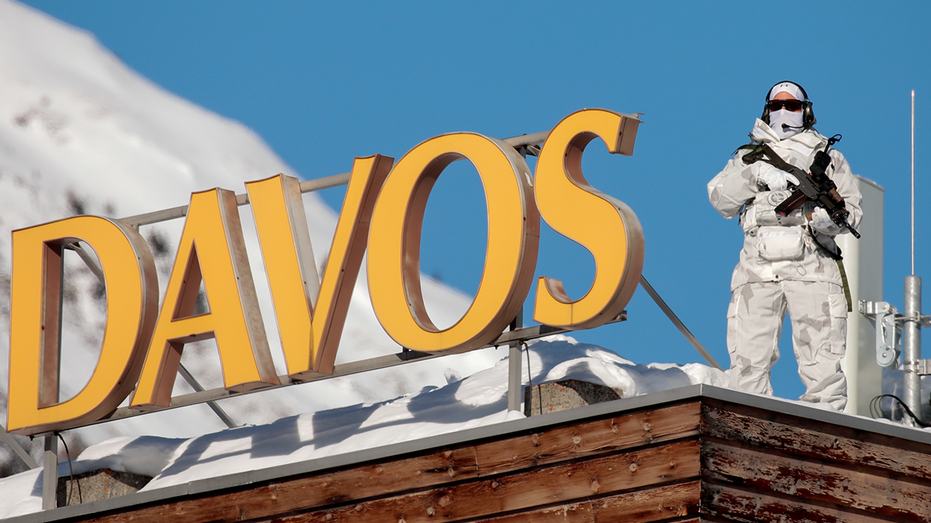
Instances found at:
x=843 y=278
x=776 y=161
x=839 y=259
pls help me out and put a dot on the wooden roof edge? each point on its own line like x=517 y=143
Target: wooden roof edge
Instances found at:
x=496 y=430
x=810 y=411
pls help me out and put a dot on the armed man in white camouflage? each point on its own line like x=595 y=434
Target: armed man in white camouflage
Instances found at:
x=789 y=263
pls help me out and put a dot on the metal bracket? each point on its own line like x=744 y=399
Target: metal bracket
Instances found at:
x=529 y=150
x=888 y=330
x=889 y=333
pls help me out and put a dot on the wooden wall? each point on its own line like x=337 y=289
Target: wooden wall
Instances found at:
x=641 y=466
x=765 y=466
x=697 y=460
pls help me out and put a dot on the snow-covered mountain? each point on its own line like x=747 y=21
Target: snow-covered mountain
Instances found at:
x=81 y=133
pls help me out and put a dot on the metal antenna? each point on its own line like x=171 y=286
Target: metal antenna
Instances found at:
x=888 y=322
x=911 y=329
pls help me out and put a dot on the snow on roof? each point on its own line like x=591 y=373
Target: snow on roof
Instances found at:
x=474 y=401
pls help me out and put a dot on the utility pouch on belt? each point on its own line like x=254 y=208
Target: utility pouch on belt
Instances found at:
x=780 y=243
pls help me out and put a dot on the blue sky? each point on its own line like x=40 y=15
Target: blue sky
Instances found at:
x=325 y=82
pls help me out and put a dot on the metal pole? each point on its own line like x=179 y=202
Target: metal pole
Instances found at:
x=514 y=366
x=515 y=383
x=214 y=406
x=17 y=448
x=679 y=325
x=911 y=343
x=911 y=328
x=913 y=181
x=327 y=182
x=50 y=473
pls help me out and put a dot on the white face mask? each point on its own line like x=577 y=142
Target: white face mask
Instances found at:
x=792 y=121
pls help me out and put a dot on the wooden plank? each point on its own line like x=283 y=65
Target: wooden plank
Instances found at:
x=875 y=491
x=570 y=513
x=589 y=438
x=816 y=439
x=307 y=493
x=349 y=493
x=606 y=474
x=733 y=504
x=644 y=506
x=368 y=481
x=571 y=482
x=670 y=502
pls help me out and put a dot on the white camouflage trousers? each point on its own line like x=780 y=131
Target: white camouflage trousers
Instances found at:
x=818 y=315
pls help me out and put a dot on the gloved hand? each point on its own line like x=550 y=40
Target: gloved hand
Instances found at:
x=776 y=179
x=821 y=221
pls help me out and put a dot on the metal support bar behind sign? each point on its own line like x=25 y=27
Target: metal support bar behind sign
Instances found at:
x=678 y=323
x=214 y=406
x=514 y=364
x=17 y=448
x=50 y=472
x=527 y=141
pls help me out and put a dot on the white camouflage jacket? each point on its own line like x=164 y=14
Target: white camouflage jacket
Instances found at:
x=736 y=191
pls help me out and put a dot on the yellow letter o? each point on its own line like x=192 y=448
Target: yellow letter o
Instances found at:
x=394 y=243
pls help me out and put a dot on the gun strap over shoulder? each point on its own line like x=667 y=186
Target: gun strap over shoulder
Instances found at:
x=776 y=161
x=754 y=152
x=751 y=148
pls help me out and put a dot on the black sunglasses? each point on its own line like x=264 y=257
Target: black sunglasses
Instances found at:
x=791 y=105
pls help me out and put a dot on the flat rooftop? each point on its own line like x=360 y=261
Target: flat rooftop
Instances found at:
x=699 y=453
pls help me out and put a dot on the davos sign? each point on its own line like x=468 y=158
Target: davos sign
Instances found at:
x=382 y=215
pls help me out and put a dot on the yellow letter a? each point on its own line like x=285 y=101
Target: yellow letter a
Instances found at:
x=212 y=248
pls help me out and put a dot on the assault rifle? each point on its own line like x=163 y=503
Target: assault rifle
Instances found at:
x=816 y=187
